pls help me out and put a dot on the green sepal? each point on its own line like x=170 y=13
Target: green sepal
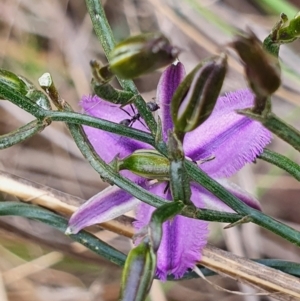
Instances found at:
x=109 y=93
x=159 y=216
x=102 y=88
x=141 y=54
x=138 y=273
x=149 y=164
x=101 y=74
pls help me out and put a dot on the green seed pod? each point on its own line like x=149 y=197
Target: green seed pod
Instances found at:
x=146 y=163
x=138 y=273
x=141 y=54
x=195 y=98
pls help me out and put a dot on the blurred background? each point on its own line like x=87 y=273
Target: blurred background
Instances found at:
x=38 y=263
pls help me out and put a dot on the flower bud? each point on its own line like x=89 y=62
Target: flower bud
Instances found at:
x=138 y=273
x=146 y=163
x=195 y=98
x=262 y=69
x=141 y=54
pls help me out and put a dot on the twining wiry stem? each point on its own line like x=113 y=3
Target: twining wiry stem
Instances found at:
x=106 y=38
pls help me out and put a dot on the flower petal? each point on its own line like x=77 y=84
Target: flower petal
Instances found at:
x=182 y=241
x=167 y=85
x=108 y=145
x=204 y=199
x=232 y=139
x=104 y=206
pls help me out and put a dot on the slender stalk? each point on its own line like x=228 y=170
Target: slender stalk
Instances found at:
x=277 y=126
x=106 y=38
x=23 y=133
x=253 y=215
x=282 y=162
x=46 y=116
x=60 y=223
x=283 y=130
x=108 y=126
x=23 y=102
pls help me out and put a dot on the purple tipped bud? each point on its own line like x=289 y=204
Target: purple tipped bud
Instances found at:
x=195 y=98
x=141 y=54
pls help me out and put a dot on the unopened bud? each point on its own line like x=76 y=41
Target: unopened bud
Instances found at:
x=138 y=273
x=146 y=163
x=196 y=96
x=141 y=54
x=262 y=69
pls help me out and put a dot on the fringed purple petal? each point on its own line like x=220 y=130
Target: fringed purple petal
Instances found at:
x=104 y=206
x=108 y=145
x=204 y=199
x=182 y=242
x=168 y=83
x=232 y=139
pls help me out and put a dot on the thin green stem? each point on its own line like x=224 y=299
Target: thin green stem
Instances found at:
x=60 y=223
x=108 y=126
x=23 y=102
x=283 y=130
x=277 y=126
x=282 y=162
x=23 y=133
x=233 y=202
x=101 y=248
x=106 y=38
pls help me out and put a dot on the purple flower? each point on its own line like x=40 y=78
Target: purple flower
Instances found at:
x=232 y=140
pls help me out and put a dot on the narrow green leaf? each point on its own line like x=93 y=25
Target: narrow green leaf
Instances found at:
x=60 y=223
x=282 y=162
